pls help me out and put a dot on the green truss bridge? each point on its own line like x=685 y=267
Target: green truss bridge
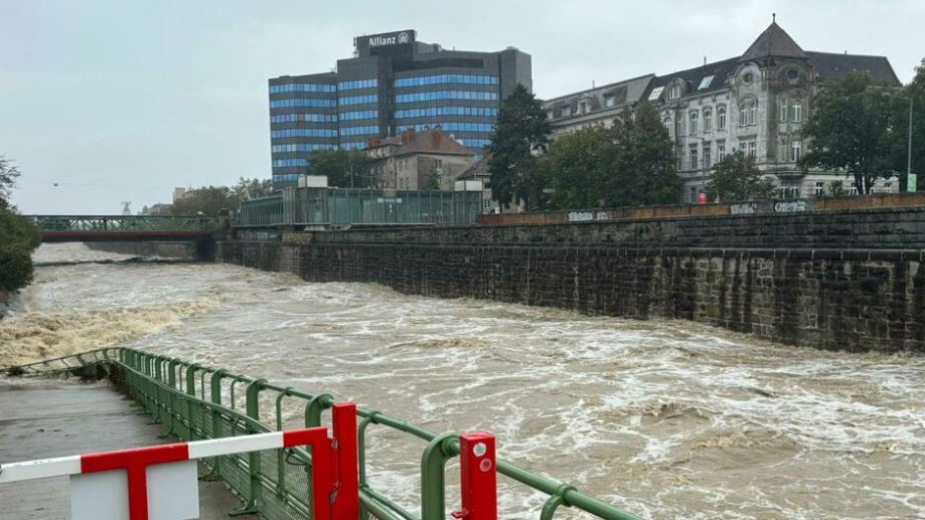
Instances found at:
x=98 y=228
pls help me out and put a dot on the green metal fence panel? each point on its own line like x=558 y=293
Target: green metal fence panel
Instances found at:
x=277 y=483
x=350 y=206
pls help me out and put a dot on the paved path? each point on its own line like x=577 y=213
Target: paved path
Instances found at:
x=52 y=418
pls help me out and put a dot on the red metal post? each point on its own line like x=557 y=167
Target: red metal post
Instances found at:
x=347 y=504
x=479 y=477
x=322 y=466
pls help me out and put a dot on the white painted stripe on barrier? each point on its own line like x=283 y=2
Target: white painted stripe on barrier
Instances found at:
x=229 y=445
x=45 y=468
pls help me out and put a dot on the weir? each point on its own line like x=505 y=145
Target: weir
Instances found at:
x=195 y=402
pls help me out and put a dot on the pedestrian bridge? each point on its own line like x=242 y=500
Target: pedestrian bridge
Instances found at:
x=105 y=228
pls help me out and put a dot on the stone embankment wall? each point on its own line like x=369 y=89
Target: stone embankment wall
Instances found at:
x=839 y=280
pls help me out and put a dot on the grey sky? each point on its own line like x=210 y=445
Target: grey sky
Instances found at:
x=119 y=100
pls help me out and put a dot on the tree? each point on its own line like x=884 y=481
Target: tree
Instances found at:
x=521 y=130
x=208 y=200
x=343 y=168
x=18 y=237
x=252 y=188
x=9 y=172
x=646 y=168
x=737 y=178
x=851 y=127
x=916 y=92
x=577 y=167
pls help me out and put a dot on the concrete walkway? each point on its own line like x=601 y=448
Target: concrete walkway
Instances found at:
x=53 y=418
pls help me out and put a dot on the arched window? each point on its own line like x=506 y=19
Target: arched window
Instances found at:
x=707 y=120
x=693 y=117
x=748 y=111
x=796 y=111
x=666 y=120
x=721 y=119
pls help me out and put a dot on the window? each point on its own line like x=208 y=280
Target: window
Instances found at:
x=705 y=82
x=610 y=100
x=583 y=107
x=707 y=156
x=679 y=126
x=449 y=127
x=748 y=110
x=303 y=132
x=694 y=163
x=439 y=95
x=753 y=149
x=721 y=119
x=450 y=111
x=820 y=189
x=301 y=102
x=549 y=115
x=440 y=79
x=796 y=150
x=748 y=78
x=656 y=92
x=565 y=111
x=693 y=194
x=301 y=87
x=782 y=109
x=720 y=150
x=789 y=192
x=358 y=100
x=693 y=126
x=707 y=121
x=363 y=114
x=360 y=83
x=666 y=120
x=674 y=92
x=359 y=130
x=793 y=74
x=796 y=112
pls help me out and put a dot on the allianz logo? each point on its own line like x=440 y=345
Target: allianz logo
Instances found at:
x=378 y=41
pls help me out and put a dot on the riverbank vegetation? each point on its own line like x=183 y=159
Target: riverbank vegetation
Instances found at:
x=18 y=238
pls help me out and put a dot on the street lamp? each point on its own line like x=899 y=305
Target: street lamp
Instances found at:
x=909 y=178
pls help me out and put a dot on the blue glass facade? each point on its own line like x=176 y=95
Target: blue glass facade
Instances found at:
x=440 y=79
x=385 y=88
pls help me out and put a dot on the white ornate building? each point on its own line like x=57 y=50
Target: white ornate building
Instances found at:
x=756 y=102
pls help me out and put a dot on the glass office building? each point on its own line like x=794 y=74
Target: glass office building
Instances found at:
x=392 y=83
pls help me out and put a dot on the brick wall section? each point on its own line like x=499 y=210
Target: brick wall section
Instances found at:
x=861 y=229
x=859 y=293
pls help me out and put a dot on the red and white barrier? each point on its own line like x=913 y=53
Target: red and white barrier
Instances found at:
x=479 y=477
x=161 y=481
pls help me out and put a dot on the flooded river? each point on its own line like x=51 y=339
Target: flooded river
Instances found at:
x=667 y=419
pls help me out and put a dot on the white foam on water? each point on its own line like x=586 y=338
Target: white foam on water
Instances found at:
x=669 y=419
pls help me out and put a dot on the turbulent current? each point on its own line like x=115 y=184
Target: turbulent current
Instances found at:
x=667 y=419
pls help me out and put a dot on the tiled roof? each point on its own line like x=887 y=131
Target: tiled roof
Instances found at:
x=832 y=66
x=773 y=42
x=433 y=140
x=693 y=78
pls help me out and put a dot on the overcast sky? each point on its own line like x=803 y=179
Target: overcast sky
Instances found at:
x=122 y=100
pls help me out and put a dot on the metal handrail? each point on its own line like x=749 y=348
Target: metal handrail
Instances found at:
x=178 y=378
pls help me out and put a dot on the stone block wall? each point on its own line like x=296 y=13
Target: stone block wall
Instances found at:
x=863 y=290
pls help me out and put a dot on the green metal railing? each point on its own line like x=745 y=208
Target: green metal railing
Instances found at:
x=343 y=206
x=196 y=402
x=122 y=223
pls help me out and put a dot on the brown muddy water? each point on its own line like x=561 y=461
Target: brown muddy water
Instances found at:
x=666 y=419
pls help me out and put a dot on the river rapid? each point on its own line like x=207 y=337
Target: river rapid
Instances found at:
x=666 y=419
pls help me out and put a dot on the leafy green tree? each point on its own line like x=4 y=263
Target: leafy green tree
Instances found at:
x=344 y=168
x=18 y=237
x=737 y=178
x=208 y=200
x=577 y=167
x=521 y=131
x=252 y=188
x=646 y=168
x=9 y=172
x=851 y=127
x=916 y=92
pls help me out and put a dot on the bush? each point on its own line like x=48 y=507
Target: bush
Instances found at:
x=15 y=267
x=18 y=238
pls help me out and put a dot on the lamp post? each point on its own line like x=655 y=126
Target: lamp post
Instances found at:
x=909 y=177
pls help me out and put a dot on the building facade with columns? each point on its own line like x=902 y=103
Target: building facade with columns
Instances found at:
x=757 y=103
